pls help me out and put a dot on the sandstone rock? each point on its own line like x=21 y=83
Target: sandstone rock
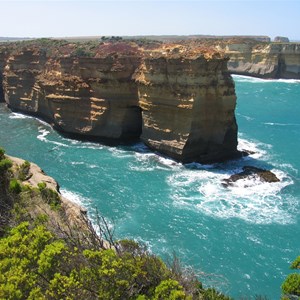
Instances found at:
x=249 y=171
x=85 y=96
x=188 y=107
x=263 y=60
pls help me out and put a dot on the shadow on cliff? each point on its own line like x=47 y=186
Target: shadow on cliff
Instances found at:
x=1 y=89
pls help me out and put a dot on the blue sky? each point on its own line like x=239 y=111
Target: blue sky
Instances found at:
x=95 y=18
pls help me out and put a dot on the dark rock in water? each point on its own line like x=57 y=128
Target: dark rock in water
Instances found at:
x=247 y=152
x=248 y=171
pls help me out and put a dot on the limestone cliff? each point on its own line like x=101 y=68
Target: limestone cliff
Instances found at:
x=264 y=60
x=180 y=99
x=188 y=104
x=80 y=95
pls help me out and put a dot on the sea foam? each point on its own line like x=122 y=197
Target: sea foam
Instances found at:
x=249 y=199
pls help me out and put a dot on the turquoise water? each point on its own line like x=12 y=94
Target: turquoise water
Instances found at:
x=240 y=239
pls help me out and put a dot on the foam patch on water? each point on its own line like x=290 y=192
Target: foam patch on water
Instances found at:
x=15 y=115
x=119 y=153
x=199 y=187
x=281 y=124
x=242 y=78
x=249 y=199
x=75 y=197
x=256 y=149
x=150 y=161
x=18 y=116
x=86 y=203
x=245 y=117
x=43 y=134
x=77 y=163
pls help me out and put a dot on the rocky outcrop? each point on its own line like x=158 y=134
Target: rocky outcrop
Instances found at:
x=74 y=213
x=180 y=99
x=263 y=60
x=250 y=172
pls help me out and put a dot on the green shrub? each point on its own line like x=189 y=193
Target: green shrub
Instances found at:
x=169 y=289
x=41 y=186
x=14 y=186
x=33 y=262
x=2 y=152
x=212 y=294
x=23 y=173
x=5 y=164
x=131 y=247
x=81 y=52
x=291 y=285
x=296 y=263
x=49 y=196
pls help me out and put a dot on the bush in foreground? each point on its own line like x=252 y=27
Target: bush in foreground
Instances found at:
x=43 y=255
x=291 y=285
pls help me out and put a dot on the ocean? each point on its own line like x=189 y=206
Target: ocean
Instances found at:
x=240 y=239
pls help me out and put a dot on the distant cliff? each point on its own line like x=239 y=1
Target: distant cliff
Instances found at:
x=264 y=60
x=179 y=99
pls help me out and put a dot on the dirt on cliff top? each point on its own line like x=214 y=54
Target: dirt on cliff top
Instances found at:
x=185 y=50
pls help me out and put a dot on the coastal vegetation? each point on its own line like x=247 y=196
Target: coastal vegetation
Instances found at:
x=46 y=255
x=291 y=285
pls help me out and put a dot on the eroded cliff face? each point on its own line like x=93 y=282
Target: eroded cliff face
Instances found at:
x=180 y=100
x=264 y=60
x=188 y=106
x=87 y=96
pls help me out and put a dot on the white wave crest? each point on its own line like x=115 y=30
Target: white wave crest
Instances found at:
x=18 y=116
x=256 y=149
x=43 y=134
x=15 y=115
x=281 y=124
x=43 y=137
x=75 y=197
x=150 y=161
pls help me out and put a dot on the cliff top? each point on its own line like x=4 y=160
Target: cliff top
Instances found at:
x=97 y=49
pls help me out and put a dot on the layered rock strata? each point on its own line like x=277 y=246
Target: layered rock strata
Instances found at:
x=180 y=99
x=263 y=60
x=188 y=106
x=87 y=96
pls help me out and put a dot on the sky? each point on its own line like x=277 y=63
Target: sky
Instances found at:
x=54 y=18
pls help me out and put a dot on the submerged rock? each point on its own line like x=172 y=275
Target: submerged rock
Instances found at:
x=249 y=171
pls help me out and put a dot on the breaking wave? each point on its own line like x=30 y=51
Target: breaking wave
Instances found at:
x=250 y=199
